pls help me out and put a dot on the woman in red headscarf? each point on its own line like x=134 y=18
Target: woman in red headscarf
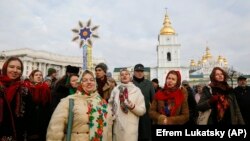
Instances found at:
x=40 y=112
x=14 y=101
x=170 y=106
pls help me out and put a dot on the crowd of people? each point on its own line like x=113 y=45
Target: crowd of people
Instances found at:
x=49 y=108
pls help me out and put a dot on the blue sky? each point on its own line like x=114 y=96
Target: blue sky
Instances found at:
x=129 y=28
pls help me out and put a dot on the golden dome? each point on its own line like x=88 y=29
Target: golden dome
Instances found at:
x=220 y=59
x=225 y=61
x=192 y=63
x=167 y=28
x=204 y=59
x=208 y=54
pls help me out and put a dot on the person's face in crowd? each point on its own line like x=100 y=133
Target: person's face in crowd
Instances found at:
x=54 y=75
x=38 y=77
x=125 y=77
x=111 y=83
x=155 y=84
x=199 y=89
x=219 y=76
x=242 y=82
x=171 y=80
x=139 y=74
x=99 y=73
x=74 y=81
x=14 y=69
x=88 y=83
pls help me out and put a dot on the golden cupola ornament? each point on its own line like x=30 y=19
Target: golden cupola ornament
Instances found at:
x=167 y=29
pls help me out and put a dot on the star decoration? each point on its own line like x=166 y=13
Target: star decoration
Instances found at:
x=84 y=33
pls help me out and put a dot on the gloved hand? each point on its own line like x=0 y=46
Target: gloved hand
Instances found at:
x=129 y=104
x=213 y=99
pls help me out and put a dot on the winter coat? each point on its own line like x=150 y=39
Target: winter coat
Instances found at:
x=181 y=116
x=243 y=98
x=15 y=105
x=235 y=114
x=106 y=91
x=40 y=113
x=84 y=118
x=126 y=124
x=145 y=122
x=59 y=92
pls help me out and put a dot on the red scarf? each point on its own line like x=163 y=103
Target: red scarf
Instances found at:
x=222 y=89
x=173 y=95
x=40 y=92
x=10 y=87
x=123 y=95
x=166 y=96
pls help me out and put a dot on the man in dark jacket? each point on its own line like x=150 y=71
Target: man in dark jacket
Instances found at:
x=61 y=88
x=148 y=91
x=242 y=93
x=193 y=113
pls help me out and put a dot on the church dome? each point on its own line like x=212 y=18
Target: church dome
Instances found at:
x=225 y=61
x=167 y=29
x=192 y=63
x=208 y=54
x=204 y=59
x=220 y=59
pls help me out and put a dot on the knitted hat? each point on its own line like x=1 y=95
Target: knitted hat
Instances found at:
x=102 y=66
x=51 y=71
x=72 y=69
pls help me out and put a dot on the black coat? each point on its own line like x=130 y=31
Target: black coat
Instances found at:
x=243 y=98
x=61 y=90
x=14 y=123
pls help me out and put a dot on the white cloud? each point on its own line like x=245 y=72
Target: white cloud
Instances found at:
x=129 y=29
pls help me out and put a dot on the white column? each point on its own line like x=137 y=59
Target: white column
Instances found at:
x=30 y=68
x=42 y=69
x=39 y=66
x=25 y=69
x=45 y=68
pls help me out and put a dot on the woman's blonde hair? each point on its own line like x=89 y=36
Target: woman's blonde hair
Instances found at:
x=88 y=72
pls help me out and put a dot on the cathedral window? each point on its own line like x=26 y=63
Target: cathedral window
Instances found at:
x=169 y=56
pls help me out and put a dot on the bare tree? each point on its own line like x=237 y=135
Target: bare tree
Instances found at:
x=232 y=74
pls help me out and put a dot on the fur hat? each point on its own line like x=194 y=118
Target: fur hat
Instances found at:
x=102 y=66
x=51 y=71
x=72 y=69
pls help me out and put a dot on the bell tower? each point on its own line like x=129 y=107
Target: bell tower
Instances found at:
x=168 y=49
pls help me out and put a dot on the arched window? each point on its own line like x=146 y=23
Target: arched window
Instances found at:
x=169 y=56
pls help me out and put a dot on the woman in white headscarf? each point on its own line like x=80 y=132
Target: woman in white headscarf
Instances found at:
x=128 y=104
